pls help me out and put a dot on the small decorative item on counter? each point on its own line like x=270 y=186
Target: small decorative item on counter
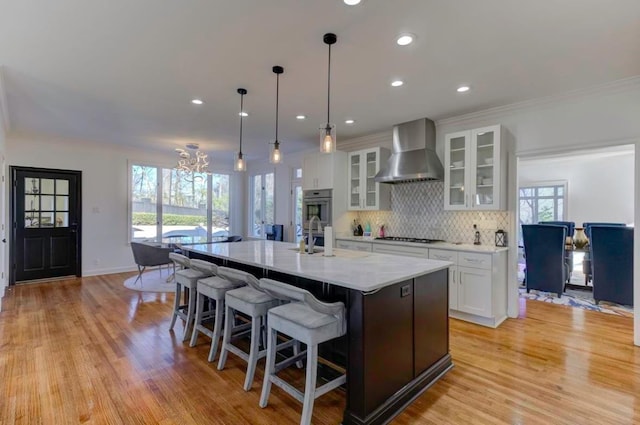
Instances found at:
x=501 y=238
x=580 y=239
x=354 y=228
x=476 y=236
x=359 y=231
x=302 y=247
x=381 y=232
x=367 y=230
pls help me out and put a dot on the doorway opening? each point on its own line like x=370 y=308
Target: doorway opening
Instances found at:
x=46 y=224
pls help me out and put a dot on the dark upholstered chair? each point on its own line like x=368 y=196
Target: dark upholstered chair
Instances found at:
x=148 y=255
x=545 y=257
x=234 y=238
x=568 y=255
x=612 y=260
x=587 y=266
x=275 y=232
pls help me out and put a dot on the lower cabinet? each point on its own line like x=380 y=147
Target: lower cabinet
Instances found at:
x=409 y=251
x=477 y=285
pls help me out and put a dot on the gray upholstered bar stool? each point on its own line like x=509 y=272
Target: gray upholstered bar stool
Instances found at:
x=253 y=302
x=310 y=321
x=186 y=281
x=211 y=288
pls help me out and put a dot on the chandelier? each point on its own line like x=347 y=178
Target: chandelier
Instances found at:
x=192 y=160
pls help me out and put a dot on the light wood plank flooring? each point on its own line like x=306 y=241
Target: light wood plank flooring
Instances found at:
x=90 y=351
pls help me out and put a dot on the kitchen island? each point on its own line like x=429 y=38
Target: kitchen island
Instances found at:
x=397 y=341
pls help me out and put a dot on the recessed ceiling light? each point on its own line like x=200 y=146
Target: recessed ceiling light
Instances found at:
x=463 y=89
x=301 y=117
x=197 y=102
x=351 y=2
x=397 y=83
x=405 y=39
x=349 y=121
x=243 y=114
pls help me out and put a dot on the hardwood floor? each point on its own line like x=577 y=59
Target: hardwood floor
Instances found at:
x=91 y=351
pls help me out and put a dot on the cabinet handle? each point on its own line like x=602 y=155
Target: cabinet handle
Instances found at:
x=460 y=279
x=453 y=277
x=466 y=200
x=473 y=260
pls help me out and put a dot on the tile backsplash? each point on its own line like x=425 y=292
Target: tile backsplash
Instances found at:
x=417 y=210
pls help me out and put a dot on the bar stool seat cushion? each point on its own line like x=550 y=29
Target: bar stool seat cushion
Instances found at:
x=215 y=287
x=250 y=301
x=189 y=277
x=305 y=324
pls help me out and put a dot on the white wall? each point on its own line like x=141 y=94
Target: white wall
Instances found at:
x=4 y=129
x=104 y=192
x=600 y=188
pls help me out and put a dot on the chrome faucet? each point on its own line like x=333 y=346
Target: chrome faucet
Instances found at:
x=310 y=239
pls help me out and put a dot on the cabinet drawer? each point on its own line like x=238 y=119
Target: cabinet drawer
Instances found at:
x=354 y=245
x=441 y=254
x=471 y=259
x=401 y=250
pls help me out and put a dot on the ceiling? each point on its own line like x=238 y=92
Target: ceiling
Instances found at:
x=124 y=71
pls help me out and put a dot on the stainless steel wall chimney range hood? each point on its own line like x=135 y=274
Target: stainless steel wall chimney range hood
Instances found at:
x=414 y=154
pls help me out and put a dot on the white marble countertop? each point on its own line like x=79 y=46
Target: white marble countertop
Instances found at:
x=436 y=245
x=362 y=271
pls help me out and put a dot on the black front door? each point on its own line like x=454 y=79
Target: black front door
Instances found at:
x=46 y=223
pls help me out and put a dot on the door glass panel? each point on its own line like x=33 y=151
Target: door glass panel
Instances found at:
x=485 y=166
x=220 y=205
x=62 y=203
x=298 y=212
x=31 y=203
x=62 y=219
x=457 y=171
x=46 y=203
x=46 y=219
x=32 y=220
x=47 y=186
x=269 y=207
x=62 y=187
x=456 y=195
x=371 y=184
x=144 y=216
x=257 y=206
x=31 y=185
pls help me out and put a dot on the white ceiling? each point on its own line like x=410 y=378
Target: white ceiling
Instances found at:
x=124 y=71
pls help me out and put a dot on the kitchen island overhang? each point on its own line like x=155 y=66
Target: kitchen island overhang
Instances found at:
x=397 y=341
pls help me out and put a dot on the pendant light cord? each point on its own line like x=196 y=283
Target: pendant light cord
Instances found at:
x=329 y=87
x=277 y=102
x=241 y=117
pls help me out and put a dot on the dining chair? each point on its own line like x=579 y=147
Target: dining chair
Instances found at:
x=587 y=265
x=545 y=257
x=568 y=253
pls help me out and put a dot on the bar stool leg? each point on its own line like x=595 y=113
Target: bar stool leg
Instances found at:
x=272 y=341
x=217 y=329
x=253 y=352
x=190 y=314
x=228 y=324
x=296 y=351
x=176 y=305
x=310 y=384
x=200 y=301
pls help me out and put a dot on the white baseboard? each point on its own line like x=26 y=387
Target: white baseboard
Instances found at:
x=112 y=270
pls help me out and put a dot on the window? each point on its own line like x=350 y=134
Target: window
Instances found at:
x=168 y=203
x=262 y=203
x=543 y=202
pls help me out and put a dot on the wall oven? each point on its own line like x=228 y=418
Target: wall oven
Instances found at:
x=316 y=203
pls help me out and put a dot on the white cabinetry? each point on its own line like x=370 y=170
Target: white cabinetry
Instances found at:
x=477 y=285
x=363 y=192
x=321 y=171
x=475 y=170
x=408 y=251
x=354 y=245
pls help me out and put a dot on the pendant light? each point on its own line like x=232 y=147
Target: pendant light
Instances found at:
x=240 y=164
x=276 y=156
x=328 y=132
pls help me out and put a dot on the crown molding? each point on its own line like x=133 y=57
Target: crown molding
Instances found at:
x=499 y=111
x=4 y=107
x=381 y=138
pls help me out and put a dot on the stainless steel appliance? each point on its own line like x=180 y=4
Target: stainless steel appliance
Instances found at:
x=414 y=240
x=414 y=155
x=316 y=203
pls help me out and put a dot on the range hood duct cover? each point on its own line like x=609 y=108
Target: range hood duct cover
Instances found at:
x=414 y=155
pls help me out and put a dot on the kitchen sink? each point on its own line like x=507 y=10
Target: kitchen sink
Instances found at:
x=315 y=250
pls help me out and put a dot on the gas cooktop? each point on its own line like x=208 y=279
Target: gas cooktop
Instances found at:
x=403 y=239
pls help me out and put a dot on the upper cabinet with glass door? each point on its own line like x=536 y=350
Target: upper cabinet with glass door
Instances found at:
x=475 y=170
x=364 y=192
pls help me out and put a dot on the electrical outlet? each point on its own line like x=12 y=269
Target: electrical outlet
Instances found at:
x=405 y=291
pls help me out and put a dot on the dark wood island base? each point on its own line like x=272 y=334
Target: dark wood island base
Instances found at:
x=397 y=341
